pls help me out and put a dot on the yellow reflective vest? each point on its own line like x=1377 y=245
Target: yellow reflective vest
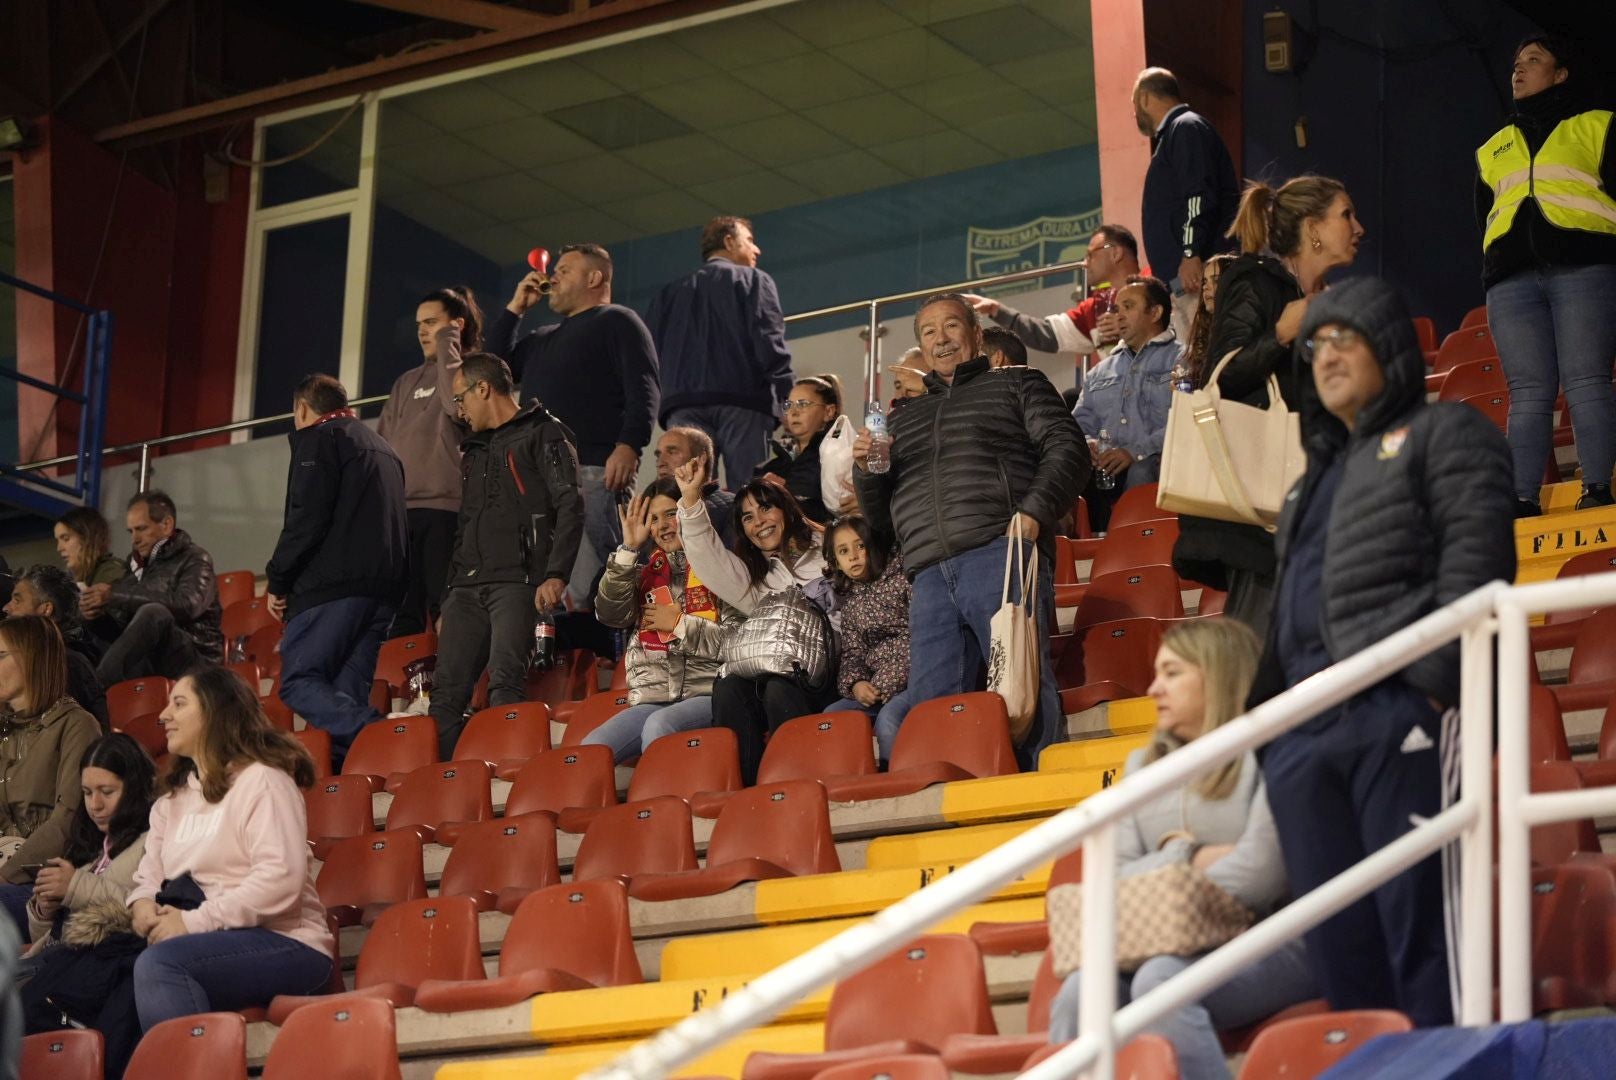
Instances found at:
x=1563 y=176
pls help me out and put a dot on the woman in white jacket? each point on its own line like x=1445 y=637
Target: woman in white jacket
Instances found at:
x=776 y=547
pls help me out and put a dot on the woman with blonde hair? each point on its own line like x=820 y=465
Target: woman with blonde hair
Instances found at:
x=1220 y=824
x=84 y=541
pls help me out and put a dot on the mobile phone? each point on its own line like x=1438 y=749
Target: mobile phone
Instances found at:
x=32 y=868
x=662 y=595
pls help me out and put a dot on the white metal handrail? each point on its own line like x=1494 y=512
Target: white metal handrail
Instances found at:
x=1495 y=608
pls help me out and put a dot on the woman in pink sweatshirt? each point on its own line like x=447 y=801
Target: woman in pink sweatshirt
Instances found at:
x=233 y=823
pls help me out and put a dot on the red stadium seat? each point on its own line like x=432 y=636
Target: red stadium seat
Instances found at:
x=250 y=674
x=364 y=874
x=213 y=1045
x=498 y=863
x=147 y=730
x=648 y=837
x=1462 y=346
x=337 y=808
x=906 y=1003
x=398 y=653
x=136 y=697
x=1591 y=677
x=1573 y=917
x=767 y=831
x=566 y=937
x=505 y=736
x=980 y=1055
x=949 y=738
x=1014 y=938
x=591 y=713
x=388 y=749
x=1425 y=330
x=1107 y=662
x=448 y=792
x=1135 y=505
x=240 y=620
x=680 y=764
x=571 y=679
x=264 y=649
x=236 y=586
x=1145 y=1057
x=814 y=747
x=1561 y=841
x=277 y=712
x=1144 y=592
x=317 y=742
x=1142 y=543
x=1476 y=316
x=63 y=1055
x=557 y=779
x=1472 y=378
x=1308 y=1045
x=1547 y=731
x=346 y=1038
x=1493 y=405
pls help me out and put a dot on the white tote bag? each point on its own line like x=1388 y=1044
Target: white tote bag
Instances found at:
x=836 y=464
x=1013 y=652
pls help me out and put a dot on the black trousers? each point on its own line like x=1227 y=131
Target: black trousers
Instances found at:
x=152 y=644
x=432 y=537
x=483 y=626
x=754 y=708
x=1344 y=785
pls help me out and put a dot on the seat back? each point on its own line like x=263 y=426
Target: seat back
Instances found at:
x=378 y=868
x=1045 y=985
x=1602 y=561
x=1065 y=569
x=1472 y=378
x=435 y=938
x=1476 y=316
x=213 y=1045
x=1143 y=543
x=509 y=852
x=339 y=807
x=250 y=674
x=277 y=712
x=439 y=793
x=146 y=729
x=1494 y=405
x=505 y=733
x=819 y=746
x=930 y=989
x=235 y=586
x=1082 y=527
x=399 y=744
x=138 y=697
x=1557 y=842
x=398 y=653
x=1547 y=732
x=1308 y=1045
x=1122 y=652
x=1425 y=332
x=787 y=823
x=889 y=1067
x=686 y=762
x=580 y=927
x=264 y=649
x=63 y=1055
x=317 y=741
x=1464 y=345
x=648 y=837
x=572 y=678
x=350 y=1039
x=593 y=712
x=1143 y=592
x=1135 y=504
x=1593 y=654
x=971 y=731
x=242 y=618
x=556 y=779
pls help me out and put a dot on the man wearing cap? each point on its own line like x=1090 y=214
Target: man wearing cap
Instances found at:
x=1404 y=508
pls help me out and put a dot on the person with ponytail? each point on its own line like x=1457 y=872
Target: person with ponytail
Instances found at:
x=422 y=423
x=1290 y=238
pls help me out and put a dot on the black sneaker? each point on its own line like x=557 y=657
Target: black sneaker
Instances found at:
x=1525 y=508
x=1595 y=495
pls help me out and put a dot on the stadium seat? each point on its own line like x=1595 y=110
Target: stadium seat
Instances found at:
x=619 y=679
x=648 y=837
x=235 y=586
x=317 y=741
x=571 y=679
x=1560 y=841
x=397 y=653
x=1425 y=331
x=1144 y=592
x=442 y=793
x=1591 y=677
x=889 y=1067
x=1573 y=915
x=1559 y=629
x=948 y=738
x=277 y=712
x=338 y=1039
x=264 y=649
x=63 y=1055
x=1082 y=524
x=768 y=831
x=363 y=874
x=240 y=620
x=1135 y=505
x=338 y=807
x=497 y=863
x=212 y=1045
x=1145 y=1057
x=1494 y=406
x=592 y=712
x=250 y=674
x=381 y=696
x=556 y=779
x=1141 y=543
x=1308 y=1045
x=388 y=749
x=505 y=736
x=1547 y=731
x=1012 y=938
x=908 y=1002
x=146 y=729
x=1238 y=1040
x=435 y=938
x=1476 y=377
x=136 y=697
x=815 y=747
x=1476 y=316
x=984 y=1055
x=1107 y=662
x=565 y=937
x=680 y=764
x=1462 y=346
x=1212 y=602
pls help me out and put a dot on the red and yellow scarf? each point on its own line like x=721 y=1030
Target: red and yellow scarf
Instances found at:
x=698 y=601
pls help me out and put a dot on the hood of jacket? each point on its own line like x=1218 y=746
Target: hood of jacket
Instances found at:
x=1376 y=310
x=45 y=719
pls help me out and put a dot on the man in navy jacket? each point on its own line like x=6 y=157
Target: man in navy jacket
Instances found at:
x=722 y=345
x=1191 y=191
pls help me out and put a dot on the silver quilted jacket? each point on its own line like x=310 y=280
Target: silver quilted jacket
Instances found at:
x=691 y=663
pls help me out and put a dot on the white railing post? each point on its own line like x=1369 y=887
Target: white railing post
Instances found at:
x=1475 y=944
x=1099 y=976
x=1514 y=835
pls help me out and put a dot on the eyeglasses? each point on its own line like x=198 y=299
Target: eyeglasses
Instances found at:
x=1342 y=337
x=802 y=403
x=461 y=397
x=1102 y=247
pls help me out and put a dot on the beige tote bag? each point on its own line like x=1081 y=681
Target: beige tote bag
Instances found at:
x=1013 y=636
x=1229 y=461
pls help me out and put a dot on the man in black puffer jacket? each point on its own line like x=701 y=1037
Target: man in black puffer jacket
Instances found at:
x=983 y=446
x=1405 y=507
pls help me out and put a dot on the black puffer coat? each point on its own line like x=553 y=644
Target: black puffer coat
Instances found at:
x=180 y=576
x=968 y=455
x=1424 y=512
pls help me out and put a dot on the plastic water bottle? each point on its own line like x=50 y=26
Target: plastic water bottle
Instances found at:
x=1102 y=479
x=1182 y=381
x=544 y=643
x=875 y=419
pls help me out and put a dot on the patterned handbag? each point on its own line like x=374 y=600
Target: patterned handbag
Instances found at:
x=1174 y=910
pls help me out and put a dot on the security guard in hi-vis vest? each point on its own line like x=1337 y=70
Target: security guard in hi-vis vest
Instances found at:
x=1548 y=223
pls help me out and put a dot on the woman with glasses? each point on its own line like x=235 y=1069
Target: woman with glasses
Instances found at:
x=815 y=403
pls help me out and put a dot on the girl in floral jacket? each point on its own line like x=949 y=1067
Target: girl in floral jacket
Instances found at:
x=874 y=604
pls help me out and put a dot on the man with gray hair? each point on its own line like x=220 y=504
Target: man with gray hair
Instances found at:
x=681 y=444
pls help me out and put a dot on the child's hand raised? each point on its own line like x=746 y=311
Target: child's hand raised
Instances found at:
x=635 y=519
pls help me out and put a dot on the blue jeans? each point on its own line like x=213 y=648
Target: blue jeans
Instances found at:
x=888 y=717
x=328 y=659
x=952 y=603
x=15 y=900
x=1553 y=329
x=602 y=533
x=740 y=437
x=223 y=971
x=632 y=731
x=1255 y=993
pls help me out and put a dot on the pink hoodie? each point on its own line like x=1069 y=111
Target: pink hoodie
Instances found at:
x=249 y=852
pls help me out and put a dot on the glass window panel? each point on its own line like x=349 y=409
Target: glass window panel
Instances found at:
x=323 y=169
x=300 y=321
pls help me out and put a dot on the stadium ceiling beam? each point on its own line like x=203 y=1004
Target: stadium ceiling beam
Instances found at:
x=539 y=33
x=476 y=13
x=115 y=44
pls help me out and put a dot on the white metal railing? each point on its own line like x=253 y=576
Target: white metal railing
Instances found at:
x=1474 y=619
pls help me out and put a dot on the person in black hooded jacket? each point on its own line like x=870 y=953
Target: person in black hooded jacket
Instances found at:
x=1404 y=508
x=1290 y=238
